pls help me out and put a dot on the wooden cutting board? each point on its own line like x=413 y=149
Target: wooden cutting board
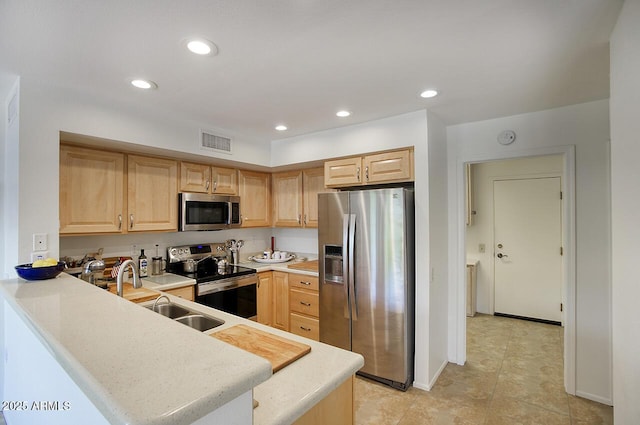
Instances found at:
x=137 y=295
x=279 y=351
x=310 y=266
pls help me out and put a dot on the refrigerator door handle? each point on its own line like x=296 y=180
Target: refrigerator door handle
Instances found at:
x=345 y=264
x=352 y=281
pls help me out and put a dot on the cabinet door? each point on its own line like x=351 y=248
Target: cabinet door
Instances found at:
x=255 y=198
x=280 y=318
x=313 y=183
x=343 y=172
x=91 y=191
x=152 y=194
x=264 y=295
x=194 y=177
x=388 y=167
x=224 y=181
x=287 y=199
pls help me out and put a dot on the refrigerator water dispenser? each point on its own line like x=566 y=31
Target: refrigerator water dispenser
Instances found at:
x=333 y=265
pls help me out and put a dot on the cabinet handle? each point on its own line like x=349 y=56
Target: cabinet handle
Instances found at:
x=305 y=219
x=215 y=185
x=305 y=283
x=131 y=221
x=207 y=186
x=299 y=218
x=119 y=221
x=366 y=173
x=358 y=174
x=304 y=303
x=305 y=329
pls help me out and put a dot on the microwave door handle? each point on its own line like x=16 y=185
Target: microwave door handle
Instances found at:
x=229 y=212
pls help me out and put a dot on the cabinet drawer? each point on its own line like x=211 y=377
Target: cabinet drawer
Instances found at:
x=303 y=281
x=304 y=302
x=305 y=326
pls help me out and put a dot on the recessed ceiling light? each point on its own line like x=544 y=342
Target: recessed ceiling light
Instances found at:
x=429 y=93
x=203 y=47
x=281 y=127
x=144 y=84
x=343 y=114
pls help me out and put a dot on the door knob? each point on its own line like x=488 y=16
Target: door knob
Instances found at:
x=500 y=255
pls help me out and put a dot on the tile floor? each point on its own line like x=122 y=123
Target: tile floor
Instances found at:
x=513 y=375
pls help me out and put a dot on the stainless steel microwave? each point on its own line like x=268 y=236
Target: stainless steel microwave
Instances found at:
x=208 y=212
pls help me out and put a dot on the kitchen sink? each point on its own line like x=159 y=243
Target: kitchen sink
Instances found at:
x=200 y=322
x=191 y=318
x=170 y=310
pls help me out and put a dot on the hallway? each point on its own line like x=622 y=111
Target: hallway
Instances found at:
x=513 y=375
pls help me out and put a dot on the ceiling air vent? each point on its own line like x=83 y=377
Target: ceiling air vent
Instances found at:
x=217 y=143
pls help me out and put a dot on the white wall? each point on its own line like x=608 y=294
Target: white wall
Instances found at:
x=481 y=232
x=438 y=247
x=586 y=126
x=9 y=89
x=389 y=133
x=625 y=199
x=46 y=111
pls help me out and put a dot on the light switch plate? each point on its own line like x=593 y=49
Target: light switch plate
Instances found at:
x=39 y=241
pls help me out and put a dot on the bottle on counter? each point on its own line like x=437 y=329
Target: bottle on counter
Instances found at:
x=142 y=264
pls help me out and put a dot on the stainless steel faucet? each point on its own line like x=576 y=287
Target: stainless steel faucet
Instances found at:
x=90 y=270
x=119 y=280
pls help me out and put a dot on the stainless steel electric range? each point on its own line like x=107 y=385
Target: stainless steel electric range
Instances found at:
x=225 y=287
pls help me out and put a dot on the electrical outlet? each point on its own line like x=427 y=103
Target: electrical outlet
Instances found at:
x=40 y=242
x=134 y=249
x=482 y=248
x=40 y=255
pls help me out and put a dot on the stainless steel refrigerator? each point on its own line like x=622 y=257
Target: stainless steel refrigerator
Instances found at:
x=366 y=265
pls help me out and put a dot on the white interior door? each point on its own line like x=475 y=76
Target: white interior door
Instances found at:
x=528 y=240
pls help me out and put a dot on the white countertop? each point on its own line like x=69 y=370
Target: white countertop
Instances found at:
x=167 y=281
x=123 y=356
x=293 y=390
x=283 y=267
x=98 y=365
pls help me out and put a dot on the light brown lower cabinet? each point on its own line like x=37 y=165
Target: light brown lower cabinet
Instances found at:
x=304 y=306
x=336 y=408
x=280 y=294
x=264 y=298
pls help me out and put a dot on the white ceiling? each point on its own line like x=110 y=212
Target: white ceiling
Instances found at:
x=298 y=61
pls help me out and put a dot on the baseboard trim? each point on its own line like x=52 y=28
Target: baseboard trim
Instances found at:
x=530 y=319
x=596 y=398
x=431 y=383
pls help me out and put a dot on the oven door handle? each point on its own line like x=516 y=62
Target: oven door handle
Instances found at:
x=226 y=284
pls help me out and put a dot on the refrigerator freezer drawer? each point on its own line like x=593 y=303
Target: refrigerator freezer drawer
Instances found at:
x=304 y=302
x=305 y=326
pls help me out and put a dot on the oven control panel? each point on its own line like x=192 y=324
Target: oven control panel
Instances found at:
x=176 y=254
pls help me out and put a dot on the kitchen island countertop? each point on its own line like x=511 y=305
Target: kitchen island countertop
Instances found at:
x=58 y=308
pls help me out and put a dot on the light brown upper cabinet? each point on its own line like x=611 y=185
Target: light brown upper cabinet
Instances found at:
x=91 y=191
x=378 y=168
x=254 y=189
x=295 y=197
x=203 y=178
x=152 y=194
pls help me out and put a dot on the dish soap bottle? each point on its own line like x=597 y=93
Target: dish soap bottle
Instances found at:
x=142 y=264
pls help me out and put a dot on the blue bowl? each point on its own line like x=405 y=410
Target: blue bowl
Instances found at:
x=27 y=272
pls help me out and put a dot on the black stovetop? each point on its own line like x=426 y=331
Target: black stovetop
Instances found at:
x=207 y=271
